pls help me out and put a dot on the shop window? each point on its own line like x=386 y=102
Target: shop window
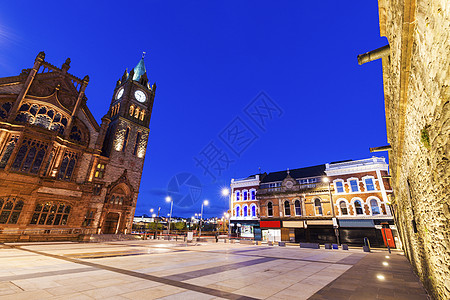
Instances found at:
x=339 y=186
x=7 y=152
x=298 y=208
x=318 y=207
x=50 y=213
x=375 y=207
x=270 y=209
x=10 y=209
x=354 y=185
x=100 y=171
x=369 y=184
x=30 y=156
x=343 y=207
x=358 y=207
x=287 y=208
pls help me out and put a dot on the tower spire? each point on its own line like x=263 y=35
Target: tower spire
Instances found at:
x=139 y=70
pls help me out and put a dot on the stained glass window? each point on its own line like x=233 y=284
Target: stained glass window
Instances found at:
x=8 y=151
x=50 y=213
x=10 y=209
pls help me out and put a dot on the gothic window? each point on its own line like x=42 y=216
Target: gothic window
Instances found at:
x=42 y=121
x=142 y=146
x=369 y=184
x=136 y=113
x=253 y=210
x=23 y=117
x=136 y=145
x=298 y=209
x=42 y=116
x=142 y=115
x=358 y=207
x=4 y=109
x=8 y=151
x=49 y=161
x=97 y=189
x=287 y=208
x=343 y=207
x=100 y=171
x=375 y=207
x=125 y=139
x=34 y=109
x=10 y=209
x=131 y=110
x=339 y=186
x=270 y=209
x=75 y=134
x=89 y=218
x=50 y=213
x=67 y=166
x=354 y=185
x=30 y=156
x=318 y=207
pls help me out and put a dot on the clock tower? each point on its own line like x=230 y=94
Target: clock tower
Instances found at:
x=127 y=128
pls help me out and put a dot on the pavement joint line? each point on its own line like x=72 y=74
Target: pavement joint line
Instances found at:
x=183 y=285
x=45 y=274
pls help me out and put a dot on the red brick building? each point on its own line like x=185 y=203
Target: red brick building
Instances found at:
x=62 y=175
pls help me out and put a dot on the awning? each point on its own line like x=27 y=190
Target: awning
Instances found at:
x=356 y=223
x=270 y=224
x=293 y=224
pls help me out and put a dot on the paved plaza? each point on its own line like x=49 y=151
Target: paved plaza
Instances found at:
x=169 y=270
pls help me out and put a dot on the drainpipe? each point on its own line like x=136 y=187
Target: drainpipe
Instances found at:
x=373 y=55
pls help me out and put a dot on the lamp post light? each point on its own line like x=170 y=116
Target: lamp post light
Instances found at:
x=157 y=222
x=335 y=224
x=227 y=216
x=169 y=199
x=206 y=202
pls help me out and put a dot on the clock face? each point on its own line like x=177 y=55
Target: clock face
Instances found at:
x=119 y=94
x=289 y=184
x=140 y=96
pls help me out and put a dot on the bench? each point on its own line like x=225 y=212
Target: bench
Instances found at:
x=310 y=245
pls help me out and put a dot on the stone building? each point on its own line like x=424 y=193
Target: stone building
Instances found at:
x=62 y=175
x=416 y=77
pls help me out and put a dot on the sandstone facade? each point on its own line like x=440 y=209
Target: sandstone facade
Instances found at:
x=416 y=78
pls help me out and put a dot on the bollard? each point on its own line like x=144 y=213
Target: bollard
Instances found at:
x=327 y=246
x=344 y=247
x=335 y=246
x=366 y=247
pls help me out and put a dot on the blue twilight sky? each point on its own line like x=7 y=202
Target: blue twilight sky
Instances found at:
x=210 y=59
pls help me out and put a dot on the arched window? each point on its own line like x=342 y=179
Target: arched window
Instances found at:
x=50 y=213
x=125 y=139
x=136 y=144
x=30 y=156
x=270 y=209
x=343 y=207
x=298 y=208
x=142 y=115
x=136 y=112
x=375 y=207
x=238 y=211
x=131 y=110
x=67 y=166
x=253 y=210
x=245 y=195
x=253 y=195
x=8 y=151
x=358 y=207
x=318 y=207
x=287 y=208
x=238 y=195
x=10 y=209
x=245 y=211
x=75 y=134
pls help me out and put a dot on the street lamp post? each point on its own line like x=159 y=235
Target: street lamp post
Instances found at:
x=336 y=229
x=201 y=217
x=157 y=222
x=225 y=193
x=169 y=199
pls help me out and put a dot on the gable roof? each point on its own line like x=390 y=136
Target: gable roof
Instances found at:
x=313 y=171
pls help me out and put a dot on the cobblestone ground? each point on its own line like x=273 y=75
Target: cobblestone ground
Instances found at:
x=169 y=270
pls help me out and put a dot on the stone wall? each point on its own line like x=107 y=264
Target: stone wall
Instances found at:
x=416 y=84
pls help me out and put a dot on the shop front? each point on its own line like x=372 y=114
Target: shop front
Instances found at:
x=378 y=232
x=248 y=229
x=271 y=231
